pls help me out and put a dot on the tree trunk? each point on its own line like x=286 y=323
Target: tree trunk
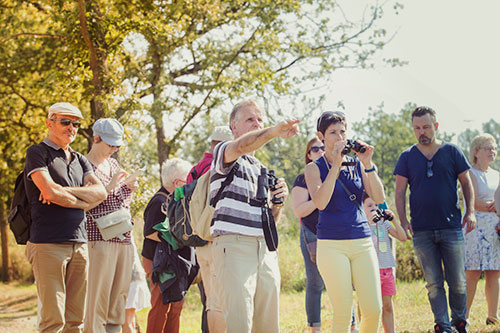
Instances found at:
x=98 y=54
x=4 y=230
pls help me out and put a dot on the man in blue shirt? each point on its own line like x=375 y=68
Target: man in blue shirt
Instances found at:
x=431 y=168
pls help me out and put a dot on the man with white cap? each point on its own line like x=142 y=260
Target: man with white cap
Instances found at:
x=212 y=316
x=110 y=260
x=60 y=186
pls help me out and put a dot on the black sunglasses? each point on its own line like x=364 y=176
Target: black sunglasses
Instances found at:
x=66 y=122
x=315 y=149
x=429 y=169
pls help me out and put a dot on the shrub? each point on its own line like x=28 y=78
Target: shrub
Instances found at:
x=407 y=265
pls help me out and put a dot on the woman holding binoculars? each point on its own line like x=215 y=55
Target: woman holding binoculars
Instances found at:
x=345 y=253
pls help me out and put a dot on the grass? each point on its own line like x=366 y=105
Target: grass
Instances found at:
x=413 y=314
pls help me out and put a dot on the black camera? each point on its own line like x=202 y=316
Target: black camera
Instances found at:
x=381 y=215
x=267 y=180
x=353 y=145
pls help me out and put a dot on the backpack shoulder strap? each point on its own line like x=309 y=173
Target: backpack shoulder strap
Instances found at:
x=194 y=173
x=227 y=181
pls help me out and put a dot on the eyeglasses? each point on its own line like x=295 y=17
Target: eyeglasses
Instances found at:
x=490 y=148
x=316 y=149
x=429 y=169
x=66 y=122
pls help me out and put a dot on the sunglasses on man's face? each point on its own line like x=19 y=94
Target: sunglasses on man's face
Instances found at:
x=429 y=169
x=66 y=122
x=316 y=149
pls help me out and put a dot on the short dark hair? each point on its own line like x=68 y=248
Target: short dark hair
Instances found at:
x=330 y=117
x=422 y=111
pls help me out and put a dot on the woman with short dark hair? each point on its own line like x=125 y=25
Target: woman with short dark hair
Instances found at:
x=346 y=255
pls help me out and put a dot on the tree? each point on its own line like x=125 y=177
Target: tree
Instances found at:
x=390 y=134
x=196 y=56
x=465 y=138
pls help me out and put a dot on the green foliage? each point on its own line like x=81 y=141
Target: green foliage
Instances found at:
x=407 y=265
x=465 y=138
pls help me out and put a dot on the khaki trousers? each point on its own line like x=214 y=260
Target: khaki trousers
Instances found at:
x=205 y=260
x=248 y=277
x=60 y=271
x=110 y=273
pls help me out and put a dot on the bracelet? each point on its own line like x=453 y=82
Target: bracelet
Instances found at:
x=371 y=169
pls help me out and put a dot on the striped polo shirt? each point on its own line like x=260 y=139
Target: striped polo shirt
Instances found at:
x=237 y=211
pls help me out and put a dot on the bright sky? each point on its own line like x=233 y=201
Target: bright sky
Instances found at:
x=453 y=51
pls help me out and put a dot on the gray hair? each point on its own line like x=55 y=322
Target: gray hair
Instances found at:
x=172 y=169
x=477 y=142
x=239 y=106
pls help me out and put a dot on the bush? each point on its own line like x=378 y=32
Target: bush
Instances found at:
x=407 y=265
x=19 y=267
x=293 y=276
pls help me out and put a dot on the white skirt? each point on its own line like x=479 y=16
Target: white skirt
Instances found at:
x=139 y=296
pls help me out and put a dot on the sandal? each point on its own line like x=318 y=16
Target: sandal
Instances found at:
x=492 y=321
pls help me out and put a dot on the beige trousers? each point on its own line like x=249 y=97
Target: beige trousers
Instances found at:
x=248 y=277
x=205 y=260
x=344 y=264
x=60 y=271
x=110 y=273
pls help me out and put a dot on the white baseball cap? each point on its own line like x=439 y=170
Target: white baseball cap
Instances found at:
x=110 y=130
x=65 y=109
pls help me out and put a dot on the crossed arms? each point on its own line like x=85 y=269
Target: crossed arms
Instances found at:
x=85 y=197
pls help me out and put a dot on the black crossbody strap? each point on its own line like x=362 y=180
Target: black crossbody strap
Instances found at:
x=352 y=196
x=226 y=182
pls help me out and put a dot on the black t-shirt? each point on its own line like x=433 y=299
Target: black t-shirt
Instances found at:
x=311 y=220
x=152 y=216
x=53 y=223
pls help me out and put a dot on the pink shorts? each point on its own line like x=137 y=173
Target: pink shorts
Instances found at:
x=387 y=282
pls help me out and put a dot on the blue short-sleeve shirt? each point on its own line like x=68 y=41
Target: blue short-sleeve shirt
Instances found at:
x=433 y=200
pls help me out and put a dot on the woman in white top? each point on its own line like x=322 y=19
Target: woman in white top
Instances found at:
x=482 y=245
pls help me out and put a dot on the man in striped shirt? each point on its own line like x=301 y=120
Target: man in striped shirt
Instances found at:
x=246 y=272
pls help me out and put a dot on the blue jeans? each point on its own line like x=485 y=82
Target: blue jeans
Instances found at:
x=435 y=249
x=314 y=282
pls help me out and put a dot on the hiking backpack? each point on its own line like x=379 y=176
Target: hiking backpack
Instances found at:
x=190 y=211
x=20 y=208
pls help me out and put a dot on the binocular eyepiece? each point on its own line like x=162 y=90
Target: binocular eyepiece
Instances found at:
x=267 y=180
x=353 y=145
x=381 y=215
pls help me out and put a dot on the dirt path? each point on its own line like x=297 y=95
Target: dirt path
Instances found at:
x=17 y=308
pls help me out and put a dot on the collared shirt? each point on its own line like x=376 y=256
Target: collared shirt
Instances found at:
x=119 y=197
x=53 y=223
x=238 y=211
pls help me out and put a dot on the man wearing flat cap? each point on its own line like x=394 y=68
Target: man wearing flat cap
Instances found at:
x=212 y=317
x=60 y=186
